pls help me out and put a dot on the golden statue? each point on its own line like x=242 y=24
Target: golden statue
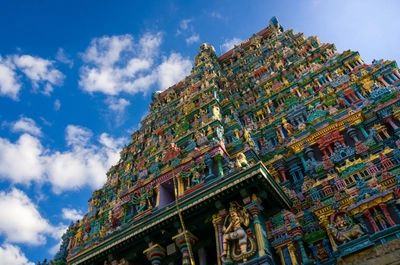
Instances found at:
x=241 y=161
x=216 y=112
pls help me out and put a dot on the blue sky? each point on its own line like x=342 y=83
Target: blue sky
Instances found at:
x=76 y=79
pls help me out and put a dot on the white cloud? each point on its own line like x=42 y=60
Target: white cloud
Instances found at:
x=9 y=84
x=71 y=214
x=61 y=56
x=184 y=24
x=12 y=255
x=39 y=71
x=77 y=136
x=26 y=125
x=194 y=38
x=83 y=164
x=173 y=69
x=57 y=104
x=229 y=44
x=113 y=65
x=117 y=64
x=20 y=220
x=117 y=107
x=21 y=162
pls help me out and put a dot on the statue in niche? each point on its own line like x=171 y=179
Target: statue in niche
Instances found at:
x=380 y=219
x=193 y=176
x=322 y=254
x=241 y=161
x=343 y=227
x=142 y=199
x=216 y=112
x=235 y=233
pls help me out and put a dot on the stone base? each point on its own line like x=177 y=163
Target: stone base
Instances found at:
x=386 y=254
x=353 y=246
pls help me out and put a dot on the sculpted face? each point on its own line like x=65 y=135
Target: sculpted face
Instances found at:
x=233 y=214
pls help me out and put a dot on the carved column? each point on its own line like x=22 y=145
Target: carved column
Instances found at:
x=219 y=159
x=184 y=241
x=300 y=241
x=387 y=214
x=371 y=219
x=279 y=127
x=383 y=81
x=361 y=127
x=282 y=172
x=292 y=254
x=155 y=254
x=255 y=208
x=390 y=121
x=303 y=161
x=279 y=251
x=217 y=222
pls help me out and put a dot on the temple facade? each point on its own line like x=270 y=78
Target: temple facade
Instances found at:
x=280 y=151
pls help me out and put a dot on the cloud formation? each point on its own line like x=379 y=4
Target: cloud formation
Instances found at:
x=12 y=255
x=229 y=44
x=119 y=64
x=25 y=125
x=21 y=222
x=62 y=57
x=40 y=72
x=194 y=38
x=84 y=163
x=71 y=214
x=57 y=104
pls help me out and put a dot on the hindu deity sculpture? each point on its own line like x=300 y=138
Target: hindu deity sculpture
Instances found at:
x=238 y=218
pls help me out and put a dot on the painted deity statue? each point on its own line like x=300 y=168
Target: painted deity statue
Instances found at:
x=216 y=112
x=344 y=229
x=237 y=217
x=241 y=161
x=142 y=199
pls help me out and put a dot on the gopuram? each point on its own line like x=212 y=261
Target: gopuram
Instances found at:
x=280 y=151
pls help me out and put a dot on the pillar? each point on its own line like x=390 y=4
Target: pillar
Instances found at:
x=383 y=207
x=393 y=205
x=300 y=241
x=371 y=219
x=390 y=121
x=303 y=161
x=279 y=127
x=282 y=173
x=255 y=209
x=155 y=253
x=382 y=80
x=184 y=242
x=217 y=222
x=219 y=159
x=292 y=254
x=280 y=254
x=361 y=127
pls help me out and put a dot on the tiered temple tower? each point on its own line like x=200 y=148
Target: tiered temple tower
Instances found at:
x=280 y=151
